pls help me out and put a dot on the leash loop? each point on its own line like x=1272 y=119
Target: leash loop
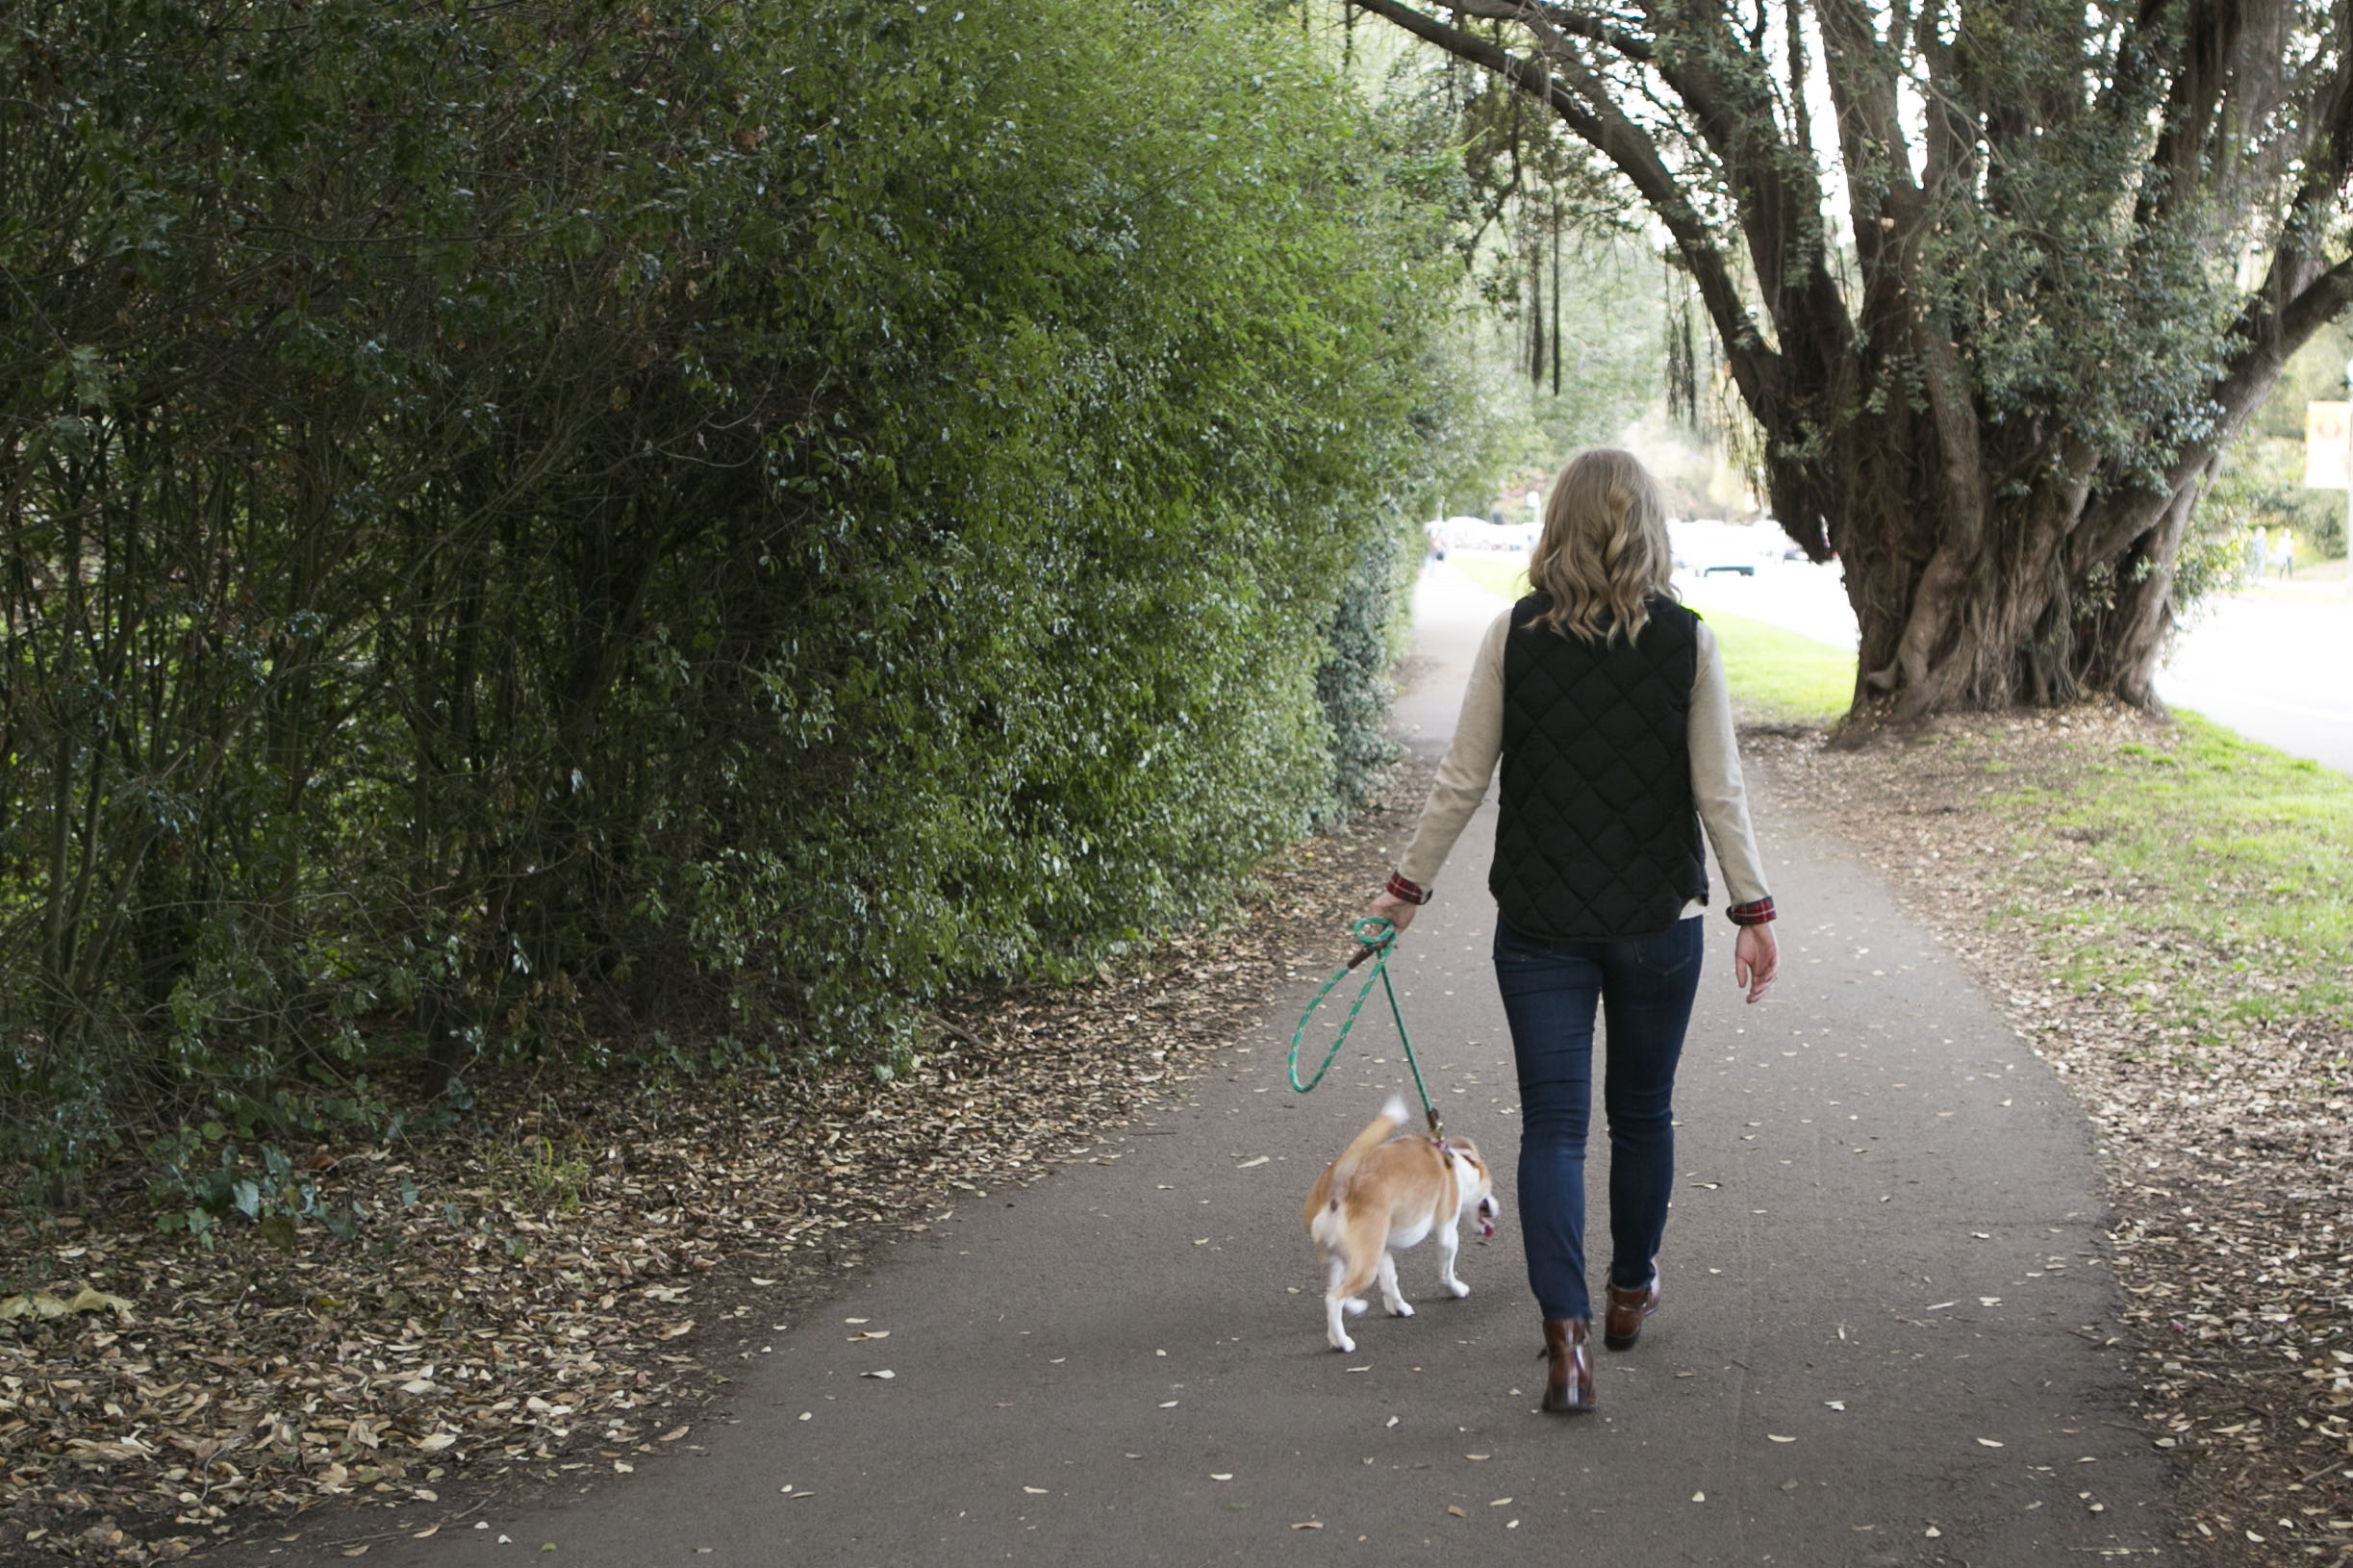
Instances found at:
x=1377 y=939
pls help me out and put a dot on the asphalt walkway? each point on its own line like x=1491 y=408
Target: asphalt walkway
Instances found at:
x=1885 y=1337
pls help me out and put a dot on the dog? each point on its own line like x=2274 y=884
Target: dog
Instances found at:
x=1382 y=1195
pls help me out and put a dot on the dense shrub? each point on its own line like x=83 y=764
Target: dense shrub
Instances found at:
x=568 y=507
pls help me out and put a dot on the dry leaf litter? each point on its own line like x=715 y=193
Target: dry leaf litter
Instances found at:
x=559 y=1300
x=565 y=1299
x=2230 y=1169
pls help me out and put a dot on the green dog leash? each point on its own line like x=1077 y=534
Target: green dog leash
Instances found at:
x=1377 y=939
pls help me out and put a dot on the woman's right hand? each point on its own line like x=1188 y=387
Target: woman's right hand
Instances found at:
x=1395 y=910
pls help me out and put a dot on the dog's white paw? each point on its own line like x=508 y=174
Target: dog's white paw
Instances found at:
x=1458 y=1289
x=1353 y=1306
x=1402 y=1309
x=1344 y=1345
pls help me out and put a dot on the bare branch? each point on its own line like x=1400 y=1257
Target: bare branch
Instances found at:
x=2270 y=336
x=1801 y=118
x=1561 y=20
x=1862 y=71
x=1599 y=123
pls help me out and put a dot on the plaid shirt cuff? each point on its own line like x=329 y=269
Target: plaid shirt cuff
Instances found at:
x=1752 y=914
x=1412 y=892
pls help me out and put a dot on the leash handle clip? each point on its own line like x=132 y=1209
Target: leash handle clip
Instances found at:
x=1374 y=934
x=1376 y=938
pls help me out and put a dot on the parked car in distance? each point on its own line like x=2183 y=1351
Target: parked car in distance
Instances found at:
x=1709 y=545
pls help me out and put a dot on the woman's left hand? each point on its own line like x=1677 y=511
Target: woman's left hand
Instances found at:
x=1756 y=959
x=1395 y=910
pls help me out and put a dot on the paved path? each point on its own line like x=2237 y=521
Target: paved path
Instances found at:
x=1882 y=1341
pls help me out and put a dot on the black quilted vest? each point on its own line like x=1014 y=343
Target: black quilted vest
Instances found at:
x=1598 y=839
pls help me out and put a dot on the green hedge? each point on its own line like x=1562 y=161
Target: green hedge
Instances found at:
x=521 y=517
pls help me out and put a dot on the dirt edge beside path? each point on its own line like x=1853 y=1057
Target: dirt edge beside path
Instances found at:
x=2226 y=1149
x=571 y=1295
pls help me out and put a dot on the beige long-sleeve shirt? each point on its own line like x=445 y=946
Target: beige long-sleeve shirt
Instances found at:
x=1716 y=786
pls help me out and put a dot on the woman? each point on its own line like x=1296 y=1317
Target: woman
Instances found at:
x=1605 y=700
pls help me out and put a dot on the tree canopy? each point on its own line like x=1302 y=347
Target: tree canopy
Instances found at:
x=518 y=518
x=1998 y=281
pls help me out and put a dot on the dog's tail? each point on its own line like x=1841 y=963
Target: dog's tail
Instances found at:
x=1392 y=1117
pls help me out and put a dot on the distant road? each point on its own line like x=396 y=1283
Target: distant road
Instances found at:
x=2274 y=663
x=1797 y=596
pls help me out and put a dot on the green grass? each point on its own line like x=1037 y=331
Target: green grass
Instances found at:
x=2232 y=870
x=1777 y=676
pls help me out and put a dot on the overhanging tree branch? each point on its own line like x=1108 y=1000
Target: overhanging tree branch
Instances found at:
x=1604 y=127
x=1561 y=18
x=2006 y=439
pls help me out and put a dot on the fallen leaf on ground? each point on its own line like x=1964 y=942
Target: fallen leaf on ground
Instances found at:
x=528 y=1315
x=84 y=1299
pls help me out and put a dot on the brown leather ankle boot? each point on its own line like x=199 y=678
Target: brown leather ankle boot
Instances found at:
x=1568 y=1379
x=1627 y=1309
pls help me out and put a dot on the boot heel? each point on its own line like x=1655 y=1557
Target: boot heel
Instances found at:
x=1628 y=1309
x=1568 y=1382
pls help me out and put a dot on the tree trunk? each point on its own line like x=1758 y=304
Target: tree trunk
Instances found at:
x=1968 y=598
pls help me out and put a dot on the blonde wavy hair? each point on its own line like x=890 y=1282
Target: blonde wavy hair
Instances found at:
x=1604 y=548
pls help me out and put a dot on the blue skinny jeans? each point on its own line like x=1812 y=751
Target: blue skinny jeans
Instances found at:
x=1645 y=989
